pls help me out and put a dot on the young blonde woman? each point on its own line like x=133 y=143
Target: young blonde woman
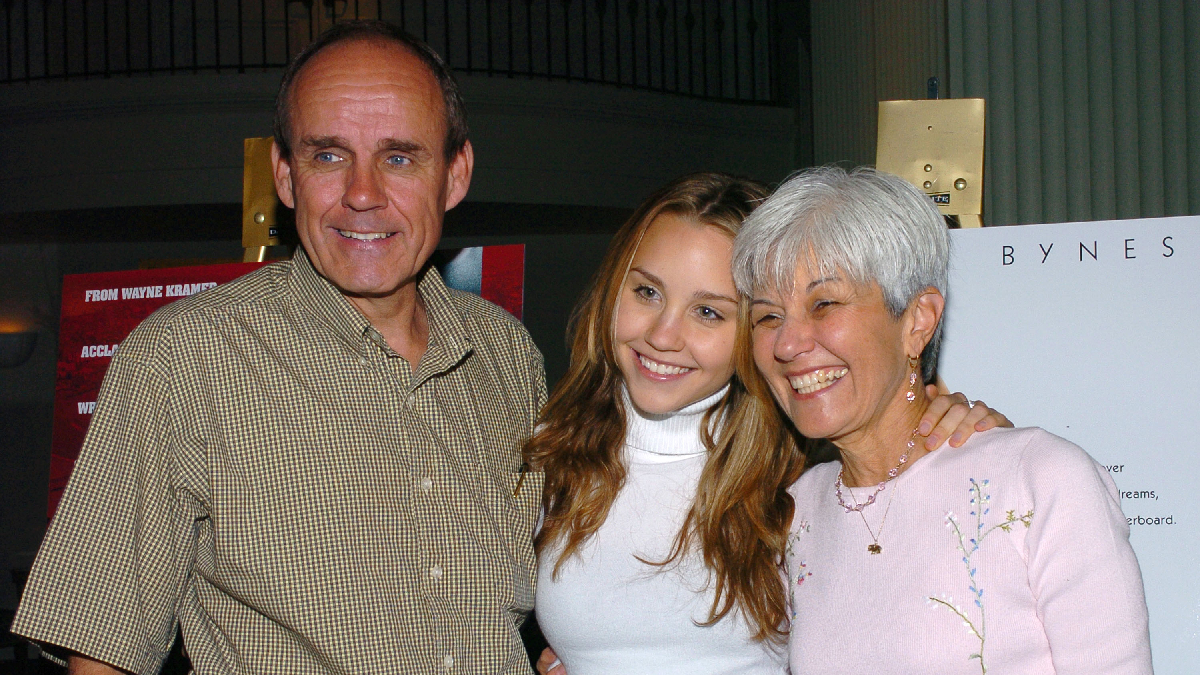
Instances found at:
x=662 y=541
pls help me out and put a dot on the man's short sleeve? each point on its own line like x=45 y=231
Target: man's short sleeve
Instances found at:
x=537 y=375
x=112 y=568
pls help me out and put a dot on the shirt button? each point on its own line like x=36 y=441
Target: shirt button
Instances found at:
x=426 y=484
x=448 y=661
x=436 y=573
x=364 y=360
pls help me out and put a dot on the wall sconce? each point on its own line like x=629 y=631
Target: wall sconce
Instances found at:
x=16 y=346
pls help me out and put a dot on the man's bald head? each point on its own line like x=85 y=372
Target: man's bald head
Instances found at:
x=456 y=118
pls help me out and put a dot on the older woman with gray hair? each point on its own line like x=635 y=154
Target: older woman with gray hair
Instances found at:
x=1010 y=554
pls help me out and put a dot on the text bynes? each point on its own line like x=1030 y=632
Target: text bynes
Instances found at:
x=1088 y=251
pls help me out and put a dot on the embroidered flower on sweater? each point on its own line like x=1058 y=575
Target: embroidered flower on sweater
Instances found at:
x=800 y=572
x=969 y=541
x=797 y=569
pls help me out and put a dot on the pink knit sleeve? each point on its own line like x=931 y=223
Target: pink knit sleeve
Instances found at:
x=1082 y=570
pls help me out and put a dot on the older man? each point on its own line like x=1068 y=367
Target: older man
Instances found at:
x=315 y=468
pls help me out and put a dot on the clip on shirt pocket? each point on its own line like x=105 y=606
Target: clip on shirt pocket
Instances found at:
x=525 y=471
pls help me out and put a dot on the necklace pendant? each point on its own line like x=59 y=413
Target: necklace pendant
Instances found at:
x=875 y=549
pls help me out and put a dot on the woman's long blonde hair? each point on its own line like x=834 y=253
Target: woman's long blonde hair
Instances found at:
x=740 y=517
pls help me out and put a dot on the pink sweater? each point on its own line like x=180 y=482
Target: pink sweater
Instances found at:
x=1009 y=555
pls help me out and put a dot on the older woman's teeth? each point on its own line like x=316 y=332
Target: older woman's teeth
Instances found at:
x=816 y=380
x=661 y=368
x=365 y=236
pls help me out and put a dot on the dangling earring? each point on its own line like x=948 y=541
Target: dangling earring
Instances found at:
x=912 y=380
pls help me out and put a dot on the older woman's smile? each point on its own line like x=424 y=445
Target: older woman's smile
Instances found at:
x=816 y=380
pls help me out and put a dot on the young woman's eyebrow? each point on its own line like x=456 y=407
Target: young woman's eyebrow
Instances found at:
x=650 y=277
x=709 y=295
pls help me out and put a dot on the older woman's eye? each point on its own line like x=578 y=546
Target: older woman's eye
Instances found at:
x=767 y=321
x=824 y=305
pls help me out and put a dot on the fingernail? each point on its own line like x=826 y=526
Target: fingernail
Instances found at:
x=932 y=442
x=924 y=428
x=955 y=440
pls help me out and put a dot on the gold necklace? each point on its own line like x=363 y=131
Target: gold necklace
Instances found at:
x=874 y=548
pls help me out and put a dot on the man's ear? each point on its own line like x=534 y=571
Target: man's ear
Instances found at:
x=459 y=175
x=282 y=171
x=925 y=313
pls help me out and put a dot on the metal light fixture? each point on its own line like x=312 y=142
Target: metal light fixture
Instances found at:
x=16 y=348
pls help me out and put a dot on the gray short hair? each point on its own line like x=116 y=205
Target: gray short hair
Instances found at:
x=868 y=225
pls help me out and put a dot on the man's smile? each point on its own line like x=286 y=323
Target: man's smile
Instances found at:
x=364 y=236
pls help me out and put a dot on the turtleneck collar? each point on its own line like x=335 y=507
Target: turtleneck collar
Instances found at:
x=668 y=437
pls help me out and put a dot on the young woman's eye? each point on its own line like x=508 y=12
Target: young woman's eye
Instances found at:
x=646 y=292
x=709 y=314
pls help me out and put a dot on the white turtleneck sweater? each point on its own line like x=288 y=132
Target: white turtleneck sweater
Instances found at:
x=609 y=612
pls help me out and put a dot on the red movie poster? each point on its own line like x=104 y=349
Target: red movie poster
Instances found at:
x=502 y=279
x=99 y=310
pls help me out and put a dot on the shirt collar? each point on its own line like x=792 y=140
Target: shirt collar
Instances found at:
x=449 y=340
x=314 y=294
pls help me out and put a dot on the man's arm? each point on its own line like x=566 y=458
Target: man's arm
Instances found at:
x=108 y=576
x=81 y=665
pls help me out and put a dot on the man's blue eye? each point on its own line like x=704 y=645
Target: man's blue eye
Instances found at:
x=326 y=157
x=398 y=160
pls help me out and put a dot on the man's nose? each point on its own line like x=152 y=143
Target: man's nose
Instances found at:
x=363 y=189
x=665 y=333
x=793 y=339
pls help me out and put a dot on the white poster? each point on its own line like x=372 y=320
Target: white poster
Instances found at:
x=1092 y=331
